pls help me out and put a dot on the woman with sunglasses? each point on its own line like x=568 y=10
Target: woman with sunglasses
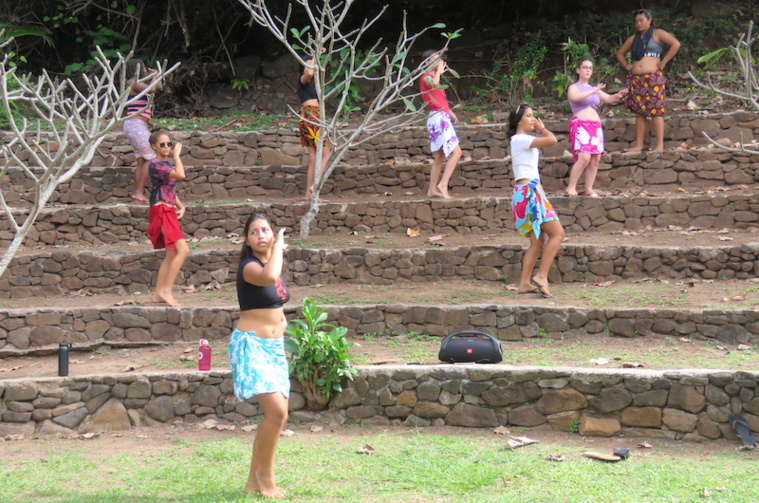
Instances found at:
x=533 y=213
x=165 y=212
x=586 y=135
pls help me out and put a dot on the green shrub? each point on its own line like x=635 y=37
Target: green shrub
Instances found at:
x=320 y=360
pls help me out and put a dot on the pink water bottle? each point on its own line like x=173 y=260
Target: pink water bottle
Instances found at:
x=204 y=355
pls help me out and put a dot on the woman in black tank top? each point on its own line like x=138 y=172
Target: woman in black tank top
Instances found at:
x=256 y=347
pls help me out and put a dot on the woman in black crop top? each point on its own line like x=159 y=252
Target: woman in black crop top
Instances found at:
x=646 y=81
x=256 y=348
x=309 y=131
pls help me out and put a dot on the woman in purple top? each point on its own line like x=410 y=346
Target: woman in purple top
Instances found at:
x=586 y=135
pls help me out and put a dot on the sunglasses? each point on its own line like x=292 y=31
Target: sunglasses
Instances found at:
x=166 y=144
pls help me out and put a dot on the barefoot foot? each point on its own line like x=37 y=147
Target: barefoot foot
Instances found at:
x=166 y=298
x=268 y=486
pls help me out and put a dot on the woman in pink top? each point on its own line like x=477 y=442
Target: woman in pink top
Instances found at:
x=443 y=140
x=586 y=135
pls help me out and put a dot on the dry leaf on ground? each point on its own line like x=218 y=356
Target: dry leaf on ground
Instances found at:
x=366 y=449
x=287 y=433
x=501 y=430
x=555 y=457
x=632 y=365
x=412 y=233
x=249 y=427
x=515 y=442
x=645 y=445
x=208 y=424
x=316 y=428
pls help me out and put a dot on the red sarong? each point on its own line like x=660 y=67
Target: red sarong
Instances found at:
x=164 y=227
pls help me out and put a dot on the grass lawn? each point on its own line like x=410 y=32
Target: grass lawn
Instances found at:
x=415 y=465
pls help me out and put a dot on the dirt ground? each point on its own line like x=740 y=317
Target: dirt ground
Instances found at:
x=145 y=441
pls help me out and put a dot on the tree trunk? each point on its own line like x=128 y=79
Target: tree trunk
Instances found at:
x=315 y=399
x=308 y=217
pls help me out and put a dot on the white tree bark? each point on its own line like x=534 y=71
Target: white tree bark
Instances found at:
x=745 y=62
x=344 y=62
x=67 y=125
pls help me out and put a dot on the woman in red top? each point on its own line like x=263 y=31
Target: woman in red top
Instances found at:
x=443 y=140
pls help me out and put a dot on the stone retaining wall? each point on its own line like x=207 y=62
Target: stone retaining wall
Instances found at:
x=208 y=154
x=244 y=148
x=688 y=405
x=25 y=332
x=67 y=272
x=689 y=168
x=127 y=223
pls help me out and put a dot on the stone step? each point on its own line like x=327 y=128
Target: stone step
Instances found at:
x=232 y=148
x=40 y=330
x=688 y=404
x=98 y=225
x=691 y=169
x=116 y=271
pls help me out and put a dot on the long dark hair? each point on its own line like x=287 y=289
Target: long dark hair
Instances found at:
x=134 y=67
x=246 y=250
x=515 y=115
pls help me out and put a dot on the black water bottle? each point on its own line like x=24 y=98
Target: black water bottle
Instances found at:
x=63 y=359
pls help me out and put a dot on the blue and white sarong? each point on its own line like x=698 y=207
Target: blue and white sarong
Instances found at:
x=259 y=365
x=441 y=131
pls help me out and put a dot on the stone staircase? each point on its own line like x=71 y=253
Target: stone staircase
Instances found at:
x=87 y=241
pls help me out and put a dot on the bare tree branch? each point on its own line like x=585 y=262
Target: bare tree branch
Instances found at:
x=742 y=53
x=345 y=60
x=69 y=124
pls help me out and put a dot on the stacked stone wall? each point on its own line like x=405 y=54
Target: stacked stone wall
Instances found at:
x=687 y=405
x=241 y=165
x=56 y=226
x=699 y=168
x=26 y=332
x=68 y=272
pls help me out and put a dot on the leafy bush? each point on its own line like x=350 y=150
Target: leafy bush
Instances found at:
x=514 y=78
x=318 y=359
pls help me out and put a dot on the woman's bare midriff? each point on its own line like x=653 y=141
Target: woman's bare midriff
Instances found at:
x=310 y=103
x=588 y=114
x=645 y=65
x=266 y=323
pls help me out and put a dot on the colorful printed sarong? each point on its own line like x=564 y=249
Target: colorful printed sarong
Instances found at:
x=309 y=131
x=164 y=228
x=647 y=92
x=531 y=208
x=258 y=365
x=586 y=137
x=138 y=134
x=442 y=133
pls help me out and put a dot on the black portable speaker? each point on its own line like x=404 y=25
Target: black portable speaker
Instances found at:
x=470 y=346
